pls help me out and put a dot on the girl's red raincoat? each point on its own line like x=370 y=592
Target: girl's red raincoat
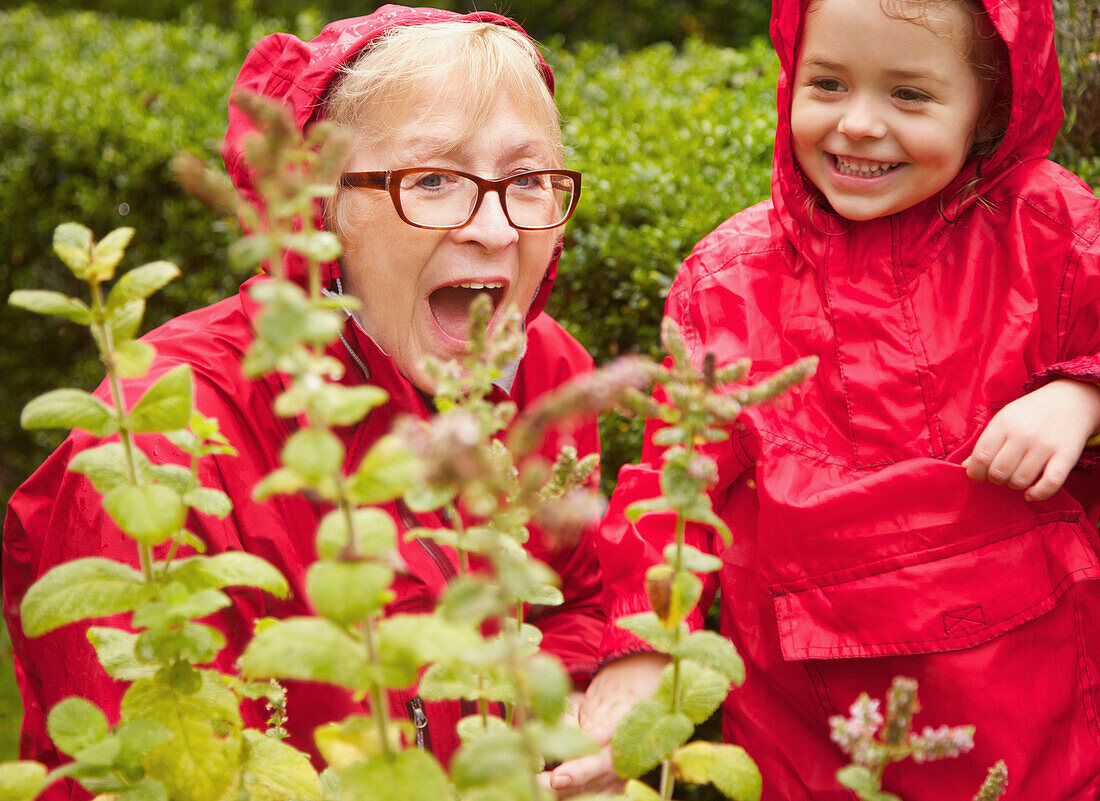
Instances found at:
x=56 y=516
x=861 y=550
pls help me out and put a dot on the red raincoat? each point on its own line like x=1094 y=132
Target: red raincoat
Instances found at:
x=861 y=550
x=55 y=516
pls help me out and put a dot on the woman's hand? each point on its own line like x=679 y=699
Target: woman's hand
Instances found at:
x=612 y=692
x=1032 y=443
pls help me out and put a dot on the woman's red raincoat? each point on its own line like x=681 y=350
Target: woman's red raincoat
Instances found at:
x=861 y=550
x=56 y=516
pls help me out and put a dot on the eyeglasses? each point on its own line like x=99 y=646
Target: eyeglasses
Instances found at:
x=439 y=199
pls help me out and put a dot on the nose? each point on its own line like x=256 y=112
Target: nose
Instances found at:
x=861 y=119
x=489 y=226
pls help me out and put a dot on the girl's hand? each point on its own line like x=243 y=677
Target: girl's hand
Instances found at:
x=1032 y=443
x=609 y=697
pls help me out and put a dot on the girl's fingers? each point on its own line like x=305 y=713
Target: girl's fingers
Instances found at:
x=1054 y=476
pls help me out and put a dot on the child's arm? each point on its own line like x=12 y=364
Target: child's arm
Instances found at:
x=1032 y=443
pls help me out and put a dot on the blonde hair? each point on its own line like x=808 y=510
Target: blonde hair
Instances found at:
x=471 y=64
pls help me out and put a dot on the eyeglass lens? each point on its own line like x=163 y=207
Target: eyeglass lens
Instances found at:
x=441 y=199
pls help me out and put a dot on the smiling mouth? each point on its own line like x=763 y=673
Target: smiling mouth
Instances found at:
x=450 y=305
x=864 y=168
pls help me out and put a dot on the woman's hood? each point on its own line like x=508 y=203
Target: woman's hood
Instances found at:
x=298 y=74
x=1032 y=87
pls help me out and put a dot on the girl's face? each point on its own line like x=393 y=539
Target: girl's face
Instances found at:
x=883 y=110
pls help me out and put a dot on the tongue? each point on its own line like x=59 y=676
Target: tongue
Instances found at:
x=451 y=307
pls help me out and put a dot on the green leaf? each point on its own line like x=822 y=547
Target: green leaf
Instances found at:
x=388 y=471
x=274 y=771
x=541 y=594
x=180 y=606
x=21 y=781
x=442 y=681
x=640 y=791
x=499 y=756
x=427 y=499
x=715 y=651
x=125 y=321
x=166 y=405
x=199 y=761
x=278 y=482
x=375 y=534
x=230 y=569
x=727 y=767
x=648 y=627
x=144 y=790
x=108 y=252
x=347 y=592
x=150 y=514
x=702 y=690
x=313 y=453
x=310 y=649
x=76 y=723
x=344 y=406
x=559 y=741
x=78 y=590
x=137 y=739
x=72 y=242
x=320 y=246
x=180 y=645
x=104 y=465
x=549 y=685
x=409 y=775
x=115 y=649
x=103 y=753
x=635 y=510
x=693 y=559
x=407 y=642
x=686 y=590
x=470 y=599
x=472 y=727
x=647 y=734
x=859 y=780
x=133 y=358
x=209 y=501
x=70 y=408
x=356 y=738
x=140 y=283
x=45 y=301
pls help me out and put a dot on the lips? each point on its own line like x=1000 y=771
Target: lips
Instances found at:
x=863 y=168
x=450 y=304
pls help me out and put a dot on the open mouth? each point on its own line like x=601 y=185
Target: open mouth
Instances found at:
x=863 y=168
x=450 y=305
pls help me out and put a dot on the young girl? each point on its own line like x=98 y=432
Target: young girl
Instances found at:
x=927 y=508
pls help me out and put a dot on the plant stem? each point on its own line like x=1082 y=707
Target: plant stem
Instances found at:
x=377 y=693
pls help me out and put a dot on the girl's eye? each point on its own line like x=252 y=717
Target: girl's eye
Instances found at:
x=827 y=84
x=910 y=95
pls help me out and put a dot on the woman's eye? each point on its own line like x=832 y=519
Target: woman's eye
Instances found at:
x=528 y=182
x=431 y=180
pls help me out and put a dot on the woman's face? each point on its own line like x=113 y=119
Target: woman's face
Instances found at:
x=415 y=284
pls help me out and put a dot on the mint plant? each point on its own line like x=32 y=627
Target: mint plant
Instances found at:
x=874 y=741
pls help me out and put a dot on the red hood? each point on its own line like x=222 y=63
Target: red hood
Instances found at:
x=1034 y=85
x=298 y=74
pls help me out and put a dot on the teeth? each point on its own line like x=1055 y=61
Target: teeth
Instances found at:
x=866 y=170
x=493 y=285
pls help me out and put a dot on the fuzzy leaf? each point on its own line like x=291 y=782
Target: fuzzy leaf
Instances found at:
x=441 y=681
x=133 y=358
x=310 y=649
x=76 y=723
x=108 y=252
x=347 y=592
x=125 y=321
x=714 y=651
x=560 y=741
x=199 y=760
x=497 y=756
x=145 y=790
x=78 y=590
x=427 y=499
x=408 y=642
x=408 y=775
x=648 y=627
x=320 y=246
x=375 y=534
x=693 y=559
x=166 y=405
x=70 y=408
x=150 y=514
x=104 y=466
x=640 y=791
x=314 y=454
x=702 y=690
x=647 y=734
x=45 y=301
x=116 y=651
x=348 y=405
x=275 y=771
x=230 y=569
x=72 y=242
x=21 y=781
x=635 y=510
x=727 y=767
x=278 y=482
x=356 y=738
x=209 y=501
x=387 y=472
x=140 y=283
x=550 y=686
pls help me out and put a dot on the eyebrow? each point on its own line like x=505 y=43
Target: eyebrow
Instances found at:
x=426 y=148
x=900 y=74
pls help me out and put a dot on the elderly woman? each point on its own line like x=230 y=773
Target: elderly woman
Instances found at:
x=455 y=129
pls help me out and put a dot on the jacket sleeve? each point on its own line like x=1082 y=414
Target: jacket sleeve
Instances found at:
x=1078 y=321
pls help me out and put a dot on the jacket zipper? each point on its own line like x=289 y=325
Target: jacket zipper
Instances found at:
x=419 y=717
x=431 y=547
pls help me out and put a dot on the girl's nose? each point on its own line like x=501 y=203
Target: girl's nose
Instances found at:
x=861 y=120
x=489 y=226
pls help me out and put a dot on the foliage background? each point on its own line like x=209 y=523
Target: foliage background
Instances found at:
x=668 y=109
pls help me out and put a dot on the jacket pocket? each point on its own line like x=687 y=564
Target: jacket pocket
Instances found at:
x=945 y=599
